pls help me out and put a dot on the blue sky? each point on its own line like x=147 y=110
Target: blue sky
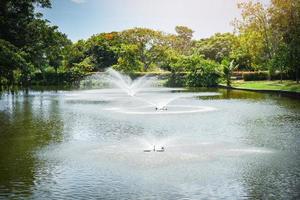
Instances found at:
x=80 y=19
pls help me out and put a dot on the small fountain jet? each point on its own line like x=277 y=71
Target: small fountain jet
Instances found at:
x=161 y=149
x=164 y=108
x=126 y=84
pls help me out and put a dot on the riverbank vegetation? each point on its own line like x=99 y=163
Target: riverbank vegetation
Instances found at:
x=266 y=42
x=286 y=85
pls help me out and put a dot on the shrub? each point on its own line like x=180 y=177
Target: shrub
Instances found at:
x=255 y=76
x=51 y=78
x=176 y=80
x=200 y=79
x=194 y=71
x=285 y=76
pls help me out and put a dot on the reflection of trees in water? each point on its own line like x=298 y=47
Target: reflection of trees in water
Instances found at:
x=26 y=124
x=230 y=94
x=239 y=94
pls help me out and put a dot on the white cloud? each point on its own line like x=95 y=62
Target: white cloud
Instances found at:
x=78 y=1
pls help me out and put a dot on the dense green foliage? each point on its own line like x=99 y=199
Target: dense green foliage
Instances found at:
x=266 y=39
x=28 y=44
x=271 y=35
x=198 y=71
x=255 y=76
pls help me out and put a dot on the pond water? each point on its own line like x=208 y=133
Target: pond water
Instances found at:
x=89 y=144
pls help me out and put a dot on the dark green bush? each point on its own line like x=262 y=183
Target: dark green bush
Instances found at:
x=197 y=71
x=285 y=76
x=200 y=79
x=176 y=80
x=135 y=75
x=255 y=76
x=51 y=78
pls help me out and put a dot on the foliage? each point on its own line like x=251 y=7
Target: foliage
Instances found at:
x=265 y=38
x=150 y=44
x=102 y=49
x=271 y=35
x=200 y=72
x=11 y=60
x=228 y=70
x=176 y=79
x=128 y=58
x=183 y=40
x=15 y=17
x=285 y=22
x=217 y=47
x=255 y=76
x=28 y=43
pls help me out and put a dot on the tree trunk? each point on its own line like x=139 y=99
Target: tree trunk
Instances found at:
x=56 y=76
x=280 y=74
x=228 y=80
x=297 y=75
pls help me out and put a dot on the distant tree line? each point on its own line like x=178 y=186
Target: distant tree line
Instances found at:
x=265 y=39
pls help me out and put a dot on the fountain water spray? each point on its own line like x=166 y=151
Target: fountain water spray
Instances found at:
x=125 y=83
x=132 y=87
x=159 y=103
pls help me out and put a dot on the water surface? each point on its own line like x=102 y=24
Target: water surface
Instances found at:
x=88 y=144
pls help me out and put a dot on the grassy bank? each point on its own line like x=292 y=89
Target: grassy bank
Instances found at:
x=290 y=86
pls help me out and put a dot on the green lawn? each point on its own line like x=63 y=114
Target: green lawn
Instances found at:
x=268 y=85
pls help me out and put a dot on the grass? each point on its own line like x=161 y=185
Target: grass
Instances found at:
x=286 y=85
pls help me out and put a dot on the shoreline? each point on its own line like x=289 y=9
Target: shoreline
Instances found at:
x=284 y=92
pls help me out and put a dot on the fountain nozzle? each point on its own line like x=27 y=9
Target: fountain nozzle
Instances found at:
x=161 y=149
x=164 y=108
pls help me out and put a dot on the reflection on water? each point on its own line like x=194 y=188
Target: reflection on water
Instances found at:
x=26 y=124
x=75 y=145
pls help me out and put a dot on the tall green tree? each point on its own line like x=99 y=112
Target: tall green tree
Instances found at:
x=41 y=44
x=256 y=34
x=11 y=59
x=103 y=49
x=15 y=16
x=285 y=21
x=218 y=47
x=184 y=40
x=150 y=45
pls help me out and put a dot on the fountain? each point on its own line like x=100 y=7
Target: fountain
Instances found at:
x=138 y=89
x=125 y=83
x=155 y=149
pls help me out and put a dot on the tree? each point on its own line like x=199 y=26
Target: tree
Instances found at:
x=150 y=45
x=76 y=53
x=183 y=40
x=285 y=20
x=275 y=34
x=15 y=17
x=247 y=51
x=128 y=58
x=254 y=28
x=103 y=49
x=218 y=47
x=228 y=68
x=280 y=60
x=11 y=59
x=39 y=44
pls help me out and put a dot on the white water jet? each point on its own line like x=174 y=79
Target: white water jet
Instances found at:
x=125 y=83
x=173 y=109
x=160 y=102
x=138 y=89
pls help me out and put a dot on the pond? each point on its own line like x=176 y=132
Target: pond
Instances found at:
x=90 y=144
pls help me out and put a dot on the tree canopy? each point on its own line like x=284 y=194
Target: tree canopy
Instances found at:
x=265 y=38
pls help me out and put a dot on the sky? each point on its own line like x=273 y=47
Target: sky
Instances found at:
x=80 y=19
